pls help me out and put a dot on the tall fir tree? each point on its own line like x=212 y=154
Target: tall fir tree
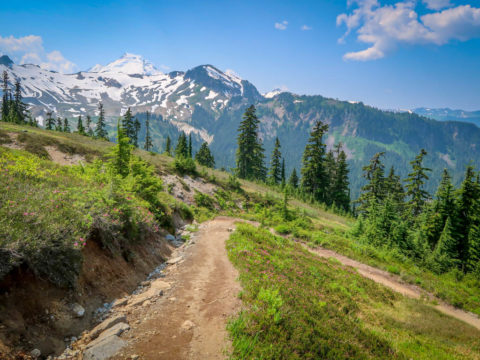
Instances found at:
x=5 y=97
x=415 y=185
x=168 y=146
x=18 y=105
x=88 y=126
x=330 y=170
x=121 y=153
x=444 y=253
x=59 y=124
x=190 y=145
x=204 y=156
x=49 y=122
x=128 y=125
x=293 y=180
x=80 y=128
x=373 y=192
x=340 y=185
x=100 y=131
x=275 y=173
x=182 y=147
x=394 y=187
x=250 y=153
x=282 y=174
x=136 y=131
x=66 y=125
x=148 y=139
x=314 y=174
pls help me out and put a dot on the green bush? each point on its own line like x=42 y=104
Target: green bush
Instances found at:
x=184 y=165
x=203 y=200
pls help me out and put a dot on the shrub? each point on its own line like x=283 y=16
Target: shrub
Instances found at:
x=184 y=165
x=203 y=200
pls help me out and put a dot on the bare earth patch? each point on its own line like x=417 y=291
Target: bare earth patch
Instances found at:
x=62 y=158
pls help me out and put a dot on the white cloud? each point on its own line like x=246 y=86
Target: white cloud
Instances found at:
x=29 y=50
x=164 y=67
x=281 y=25
x=386 y=27
x=306 y=28
x=437 y=4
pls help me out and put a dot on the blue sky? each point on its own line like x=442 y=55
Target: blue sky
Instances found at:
x=389 y=54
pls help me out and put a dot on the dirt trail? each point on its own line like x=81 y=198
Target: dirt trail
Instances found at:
x=396 y=284
x=189 y=322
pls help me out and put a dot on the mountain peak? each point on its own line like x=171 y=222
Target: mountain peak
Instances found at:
x=5 y=60
x=130 y=64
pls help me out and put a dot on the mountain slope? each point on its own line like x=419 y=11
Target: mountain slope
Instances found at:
x=447 y=114
x=209 y=104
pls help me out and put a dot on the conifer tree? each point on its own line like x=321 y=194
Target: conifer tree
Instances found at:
x=275 y=174
x=374 y=191
x=293 y=181
x=314 y=175
x=128 y=125
x=340 y=184
x=18 y=105
x=190 y=145
x=444 y=253
x=330 y=170
x=88 y=125
x=394 y=187
x=66 y=125
x=182 y=147
x=5 y=98
x=168 y=146
x=148 y=139
x=121 y=153
x=100 y=131
x=415 y=182
x=204 y=156
x=473 y=264
x=80 y=128
x=250 y=153
x=49 y=122
x=59 y=125
x=136 y=130
x=282 y=175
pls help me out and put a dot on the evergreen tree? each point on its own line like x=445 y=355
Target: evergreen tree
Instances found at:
x=340 y=184
x=275 y=173
x=148 y=139
x=190 y=145
x=330 y=170
x=18 y=105
x=49 y=122
x=128 y=125
x=293 y=181
x=5 y=98
x=394 y=187
x=136 y=130
x=374 y=191
x=314 y=175
x=444 y=253
x=66 y=125
x=80 y=128
x=100 y=131
x=282 y=175
x=88 y=125
x=250 y=153
x=204 y=156
x=182 y=147
x=474 y=249
x=415 y=182
x=121 y=153
x=59 y=125
x=168 y=146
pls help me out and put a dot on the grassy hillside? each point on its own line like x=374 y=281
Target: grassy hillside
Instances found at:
x=296 y=305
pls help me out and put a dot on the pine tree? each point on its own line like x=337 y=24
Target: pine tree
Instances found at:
x=415 y=182
x=88 y=126
x=128 y=125
x=394 y=187
x=66 y=125
x=121 y=153
x=182 y=147
x=444 y=254
x=473 y=264
x=282 y=175
x=374 y=191
x=190 y=145
x=80 y=128
x=204 y=156
x=293 y=181
x=314 y=175
x=148 y=140
x=168 y=146
x=49 y=122
x=250 y=153
x=18 y=105
x=340 y=184
x=59 y=125
x=136 y=130
x=100 y=131
x=5 y=98
x=330 y=170
x=275 y=174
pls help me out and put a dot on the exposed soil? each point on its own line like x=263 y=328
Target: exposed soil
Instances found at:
x=61 y=158
x=189 y=321
x=183 y=188
x=395 y=283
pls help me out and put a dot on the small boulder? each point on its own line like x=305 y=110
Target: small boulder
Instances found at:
x=35 y=353
x=78 y=310
x=170 y=237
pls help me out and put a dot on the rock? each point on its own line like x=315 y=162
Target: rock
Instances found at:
x=120 y=302
x=187 y=325
x=230 y=230
x=145 y=283
x=104 y=349
x=107 y=324
x=78 y=310
x=170 y=237
x=115 y=330
x=134 y=357
x=156 y=289
x=174 y=260
x=35 y=353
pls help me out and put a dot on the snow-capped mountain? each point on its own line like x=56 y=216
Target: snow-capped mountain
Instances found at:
x=131 y=81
